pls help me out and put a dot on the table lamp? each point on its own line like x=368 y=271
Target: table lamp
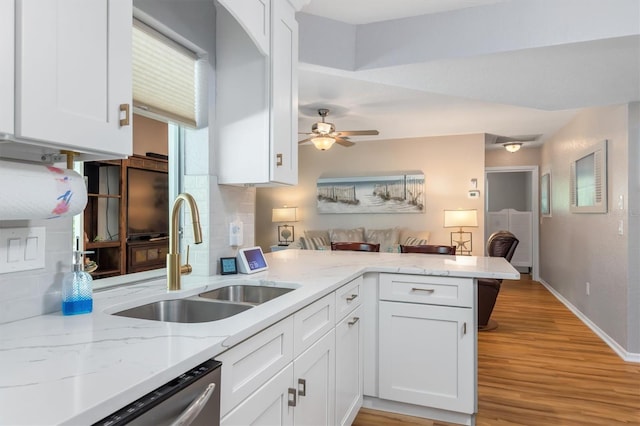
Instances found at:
x=459 y=219
x=285 y=232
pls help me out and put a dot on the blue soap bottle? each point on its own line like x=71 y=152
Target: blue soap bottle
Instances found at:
x=77 y=287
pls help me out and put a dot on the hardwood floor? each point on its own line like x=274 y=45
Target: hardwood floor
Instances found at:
x=542 y=366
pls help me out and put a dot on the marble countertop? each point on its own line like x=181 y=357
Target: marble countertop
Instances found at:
x=73 y=370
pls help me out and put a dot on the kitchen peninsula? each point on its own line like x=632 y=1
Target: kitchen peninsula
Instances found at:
x=77 y=370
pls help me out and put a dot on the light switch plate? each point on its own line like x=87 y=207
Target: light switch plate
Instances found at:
x=21 y=249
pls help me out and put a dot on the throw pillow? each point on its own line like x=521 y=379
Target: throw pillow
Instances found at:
x=314 y=243
x=355 y=235
x=414 y=241
x=387 y=238
x=319 y=233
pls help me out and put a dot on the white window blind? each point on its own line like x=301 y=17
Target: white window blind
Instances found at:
x=165 y=77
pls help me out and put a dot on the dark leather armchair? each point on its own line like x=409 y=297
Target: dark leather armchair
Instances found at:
x=428 y=249
x=355 y=246
x=499 y=244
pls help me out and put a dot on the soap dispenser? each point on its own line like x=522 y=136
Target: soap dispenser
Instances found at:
x=77 y=287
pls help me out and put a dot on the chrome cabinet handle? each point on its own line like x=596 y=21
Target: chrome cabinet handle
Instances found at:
x=124 y=121
x=278 y=160
x=353 y=321
x=303 y=391
x=426 y=290
x=351 y=298
x=192 y=411
x=292 y=397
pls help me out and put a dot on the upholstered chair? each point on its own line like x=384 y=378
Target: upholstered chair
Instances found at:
x=499 y=244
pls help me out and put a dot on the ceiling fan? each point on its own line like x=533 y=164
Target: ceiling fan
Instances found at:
x=323 y=135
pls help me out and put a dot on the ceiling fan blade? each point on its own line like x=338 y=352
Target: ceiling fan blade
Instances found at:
x=304 y=140
x=343 y=142
x=358 y=132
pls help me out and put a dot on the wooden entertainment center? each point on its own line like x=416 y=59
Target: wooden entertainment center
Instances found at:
x=106 y=216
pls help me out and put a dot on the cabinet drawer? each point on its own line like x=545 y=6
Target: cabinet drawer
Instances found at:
x=427 y=289
x=312 y=322
x=348 y=298
x=247 y=366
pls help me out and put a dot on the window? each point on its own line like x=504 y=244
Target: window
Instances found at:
x=168 y=78
x=588 y=181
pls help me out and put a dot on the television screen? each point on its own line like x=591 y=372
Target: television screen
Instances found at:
x=147 y=204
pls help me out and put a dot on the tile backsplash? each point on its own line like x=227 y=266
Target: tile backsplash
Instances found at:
x=31 y=293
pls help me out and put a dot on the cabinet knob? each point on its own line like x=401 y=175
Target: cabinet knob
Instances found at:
x=124 y=108
x=278 y=160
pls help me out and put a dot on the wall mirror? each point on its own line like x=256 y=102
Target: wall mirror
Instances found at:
x=588 y=180
x=545 y=194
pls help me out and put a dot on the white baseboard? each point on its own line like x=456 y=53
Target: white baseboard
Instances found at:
x=622 y=352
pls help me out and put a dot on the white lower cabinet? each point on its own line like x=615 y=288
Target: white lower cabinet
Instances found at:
x=286 y=374
x=349 y=367
x=427 y=343
x=426 y=356
x=266 y=406
x=314 y=374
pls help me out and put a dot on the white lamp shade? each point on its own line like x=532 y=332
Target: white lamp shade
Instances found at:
x=323 y=142
x=459 y=218
x=284 y=214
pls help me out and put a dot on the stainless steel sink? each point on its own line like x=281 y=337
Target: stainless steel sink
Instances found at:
x=249 y=294
x=184 y=310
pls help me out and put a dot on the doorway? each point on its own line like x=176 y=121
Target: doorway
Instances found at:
x=511 y=203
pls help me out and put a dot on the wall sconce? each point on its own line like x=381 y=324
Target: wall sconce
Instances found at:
x=285 y=232
x=459 y=219
x=513 y=146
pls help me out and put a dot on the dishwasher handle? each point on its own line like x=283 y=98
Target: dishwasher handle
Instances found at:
x=192 y=411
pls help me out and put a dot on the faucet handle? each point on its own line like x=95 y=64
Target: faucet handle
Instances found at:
x=186 y=268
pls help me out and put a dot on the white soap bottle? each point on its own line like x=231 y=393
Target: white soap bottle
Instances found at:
x=77 y=287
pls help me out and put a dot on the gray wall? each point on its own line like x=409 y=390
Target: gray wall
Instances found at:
x=580 y=248
x=509 y=190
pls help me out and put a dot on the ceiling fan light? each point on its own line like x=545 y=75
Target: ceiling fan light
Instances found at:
x=323 y=142
x=513 y=147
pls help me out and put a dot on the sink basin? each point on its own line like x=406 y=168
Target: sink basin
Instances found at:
x=250 y=294
x=184 y=310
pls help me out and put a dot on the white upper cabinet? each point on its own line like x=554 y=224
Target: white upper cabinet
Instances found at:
x=254 y=16
x=73 y=78
x=257 y=93
x=7 y=70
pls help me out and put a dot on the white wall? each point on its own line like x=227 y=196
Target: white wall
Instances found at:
x=580 y=248
x=449 y=163
x=509 y=190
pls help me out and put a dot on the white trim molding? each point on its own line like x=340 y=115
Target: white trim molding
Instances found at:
x=622 y=352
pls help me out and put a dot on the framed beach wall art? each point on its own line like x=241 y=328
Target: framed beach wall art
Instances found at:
x=387 y=193
x=545 y=194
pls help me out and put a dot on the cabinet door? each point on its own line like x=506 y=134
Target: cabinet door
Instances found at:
x=314 y=373
x=427 y=356
x=74 y=62
x=284 y=93
x=8 y=66
x=349 y=367
x=250 y=364
x=269 y=405
x=253 y=16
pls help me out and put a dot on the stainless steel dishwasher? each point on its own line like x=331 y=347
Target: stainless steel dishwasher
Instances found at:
x=193 y=398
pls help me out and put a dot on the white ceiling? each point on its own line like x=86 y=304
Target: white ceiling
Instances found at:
x=513 y=93
x=367 y=11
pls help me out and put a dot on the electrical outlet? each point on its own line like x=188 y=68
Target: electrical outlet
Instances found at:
x=588 y=288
